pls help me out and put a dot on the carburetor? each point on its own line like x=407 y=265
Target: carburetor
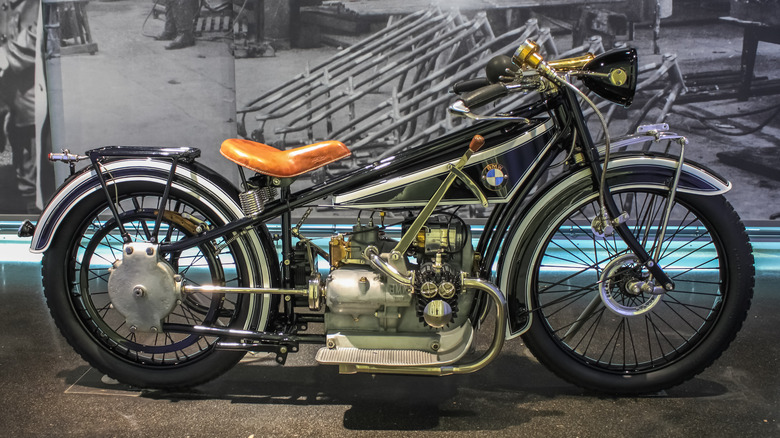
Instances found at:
x=345 y=251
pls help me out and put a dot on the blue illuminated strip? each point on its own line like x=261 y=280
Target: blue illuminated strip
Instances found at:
x=765 y=242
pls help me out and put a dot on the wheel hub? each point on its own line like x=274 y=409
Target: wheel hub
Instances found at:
x=143 y=287
x=623 y=291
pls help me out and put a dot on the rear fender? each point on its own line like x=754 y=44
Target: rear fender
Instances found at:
x=211 y=188
x=190 y=177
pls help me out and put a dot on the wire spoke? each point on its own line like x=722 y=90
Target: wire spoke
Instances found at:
x=100 y=246
x=661 y=329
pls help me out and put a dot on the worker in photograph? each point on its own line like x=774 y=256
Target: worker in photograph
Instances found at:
x=179 y=23
x=17 y=94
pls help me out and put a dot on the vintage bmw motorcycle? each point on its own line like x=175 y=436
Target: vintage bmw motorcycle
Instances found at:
x=625 y=272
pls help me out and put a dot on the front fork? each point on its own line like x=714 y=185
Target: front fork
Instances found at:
x=612 y=210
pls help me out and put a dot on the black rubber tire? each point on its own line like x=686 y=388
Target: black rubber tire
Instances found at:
x=75 y=272
x=596 y=356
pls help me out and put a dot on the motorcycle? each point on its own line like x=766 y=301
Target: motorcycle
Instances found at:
x=624 y=271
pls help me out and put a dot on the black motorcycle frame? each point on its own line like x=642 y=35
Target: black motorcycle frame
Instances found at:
x=561 y=107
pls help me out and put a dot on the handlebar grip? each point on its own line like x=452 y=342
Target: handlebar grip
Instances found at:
x=484 y=95
x=470 y=85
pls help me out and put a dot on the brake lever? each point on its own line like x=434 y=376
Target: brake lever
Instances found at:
x=460 y=109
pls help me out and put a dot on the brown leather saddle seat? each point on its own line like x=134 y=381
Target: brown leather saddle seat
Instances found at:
x=268 y=160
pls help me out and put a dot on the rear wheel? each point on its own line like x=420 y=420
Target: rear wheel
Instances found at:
x=76 y=269
x=598 y=323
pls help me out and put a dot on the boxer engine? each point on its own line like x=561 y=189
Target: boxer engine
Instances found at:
x=368 y=310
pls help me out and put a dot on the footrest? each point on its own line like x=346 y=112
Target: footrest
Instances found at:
x=358 y=356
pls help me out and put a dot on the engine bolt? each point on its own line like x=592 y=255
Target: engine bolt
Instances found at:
x=150 y=251
x=139 y=291
x=153 y=329
x=129 y=250
x=283 y=350
x=133 y=329
x=435 y=346
x=331 y=343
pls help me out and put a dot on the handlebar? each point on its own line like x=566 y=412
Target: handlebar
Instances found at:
x=481 y=91
x=484 y=95
x=470 y=85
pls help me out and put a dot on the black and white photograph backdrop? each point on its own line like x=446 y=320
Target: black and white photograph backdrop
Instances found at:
x=134 y=73
x=374 y=74
x=26 y=178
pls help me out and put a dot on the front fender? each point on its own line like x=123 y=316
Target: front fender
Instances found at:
x=645 y=170
x=695 y=178
x=189 y=177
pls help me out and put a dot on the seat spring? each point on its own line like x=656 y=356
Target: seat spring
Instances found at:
x=253 y=200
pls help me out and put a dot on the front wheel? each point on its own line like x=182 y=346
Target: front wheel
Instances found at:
x=598 y=322
x=78 y=264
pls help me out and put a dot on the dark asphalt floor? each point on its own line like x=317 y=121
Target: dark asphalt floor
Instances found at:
x=47 y=390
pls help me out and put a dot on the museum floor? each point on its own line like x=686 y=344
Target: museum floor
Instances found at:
x=47 y=390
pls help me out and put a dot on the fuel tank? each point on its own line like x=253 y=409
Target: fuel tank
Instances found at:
x=411 y=177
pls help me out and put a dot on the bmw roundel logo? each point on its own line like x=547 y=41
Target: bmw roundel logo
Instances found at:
x=494 y=176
